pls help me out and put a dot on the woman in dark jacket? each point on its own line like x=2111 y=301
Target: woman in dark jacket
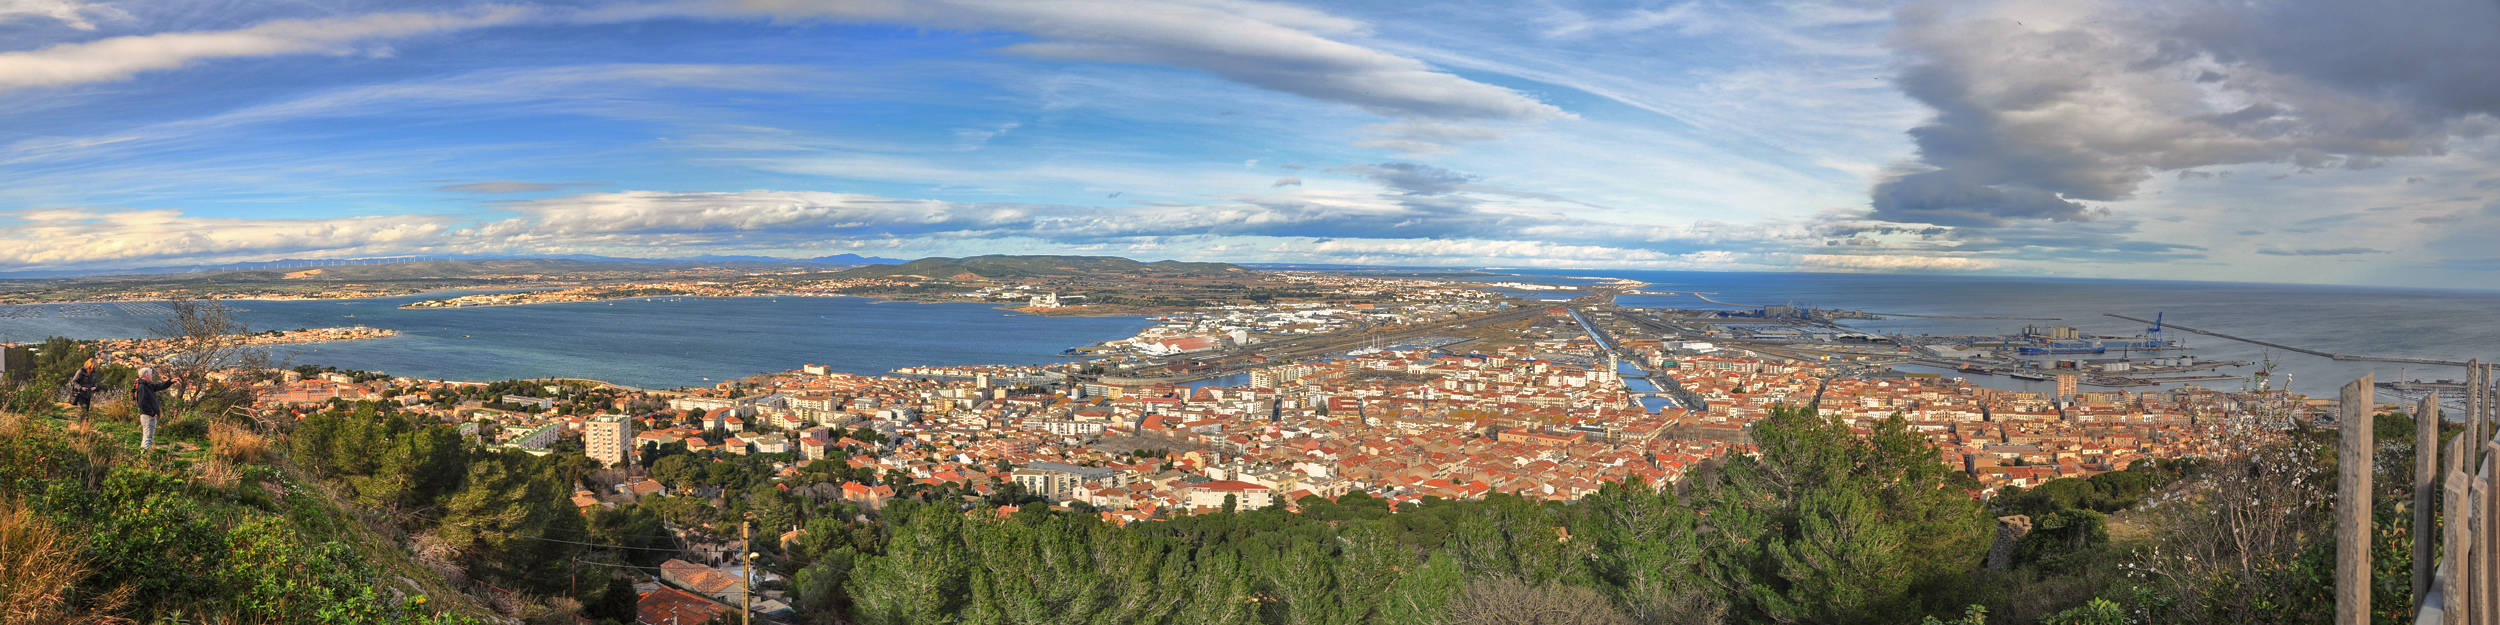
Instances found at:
x=82 y=389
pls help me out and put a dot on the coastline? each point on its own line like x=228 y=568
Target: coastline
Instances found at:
x=265 y=299
x=873 y=299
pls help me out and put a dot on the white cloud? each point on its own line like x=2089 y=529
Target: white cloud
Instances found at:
x=118 y=58
x=75 y=237
x=1385 y=223
x=1894 y=262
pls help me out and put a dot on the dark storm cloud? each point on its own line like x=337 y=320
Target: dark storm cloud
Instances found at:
x=2035 y=114
x=2103 y=241
x=1944 y=198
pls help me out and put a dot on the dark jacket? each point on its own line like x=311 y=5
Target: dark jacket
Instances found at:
x=82 y=385
x=144 y=392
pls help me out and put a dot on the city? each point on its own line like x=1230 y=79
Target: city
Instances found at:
x=1249 y=312
x=1536 y=407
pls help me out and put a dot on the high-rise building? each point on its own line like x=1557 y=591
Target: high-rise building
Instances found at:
x=2065 y=385
x=609 y=439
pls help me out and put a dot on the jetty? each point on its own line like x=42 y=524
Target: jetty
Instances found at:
x=2312 y=352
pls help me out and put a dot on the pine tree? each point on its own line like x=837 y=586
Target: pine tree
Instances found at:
x=1422 y=595
x=1828 y=526
x=922 y=577
x=517 y=528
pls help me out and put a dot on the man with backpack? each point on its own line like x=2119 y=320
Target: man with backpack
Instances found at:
x=143 y=392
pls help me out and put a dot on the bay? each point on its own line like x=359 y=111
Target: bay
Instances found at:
x=667 y=342
x=653 y=343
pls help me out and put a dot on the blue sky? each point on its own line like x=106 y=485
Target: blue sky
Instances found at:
x=2288 y=141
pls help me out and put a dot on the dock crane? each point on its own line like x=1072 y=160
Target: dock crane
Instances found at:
x=2155 y=331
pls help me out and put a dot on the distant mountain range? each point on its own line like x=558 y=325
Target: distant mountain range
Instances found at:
x=299 y=264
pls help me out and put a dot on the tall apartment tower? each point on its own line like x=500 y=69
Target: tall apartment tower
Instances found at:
x=609 y=439
x=2065 y=385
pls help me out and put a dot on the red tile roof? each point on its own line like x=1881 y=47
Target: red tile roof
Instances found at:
x=670 y=606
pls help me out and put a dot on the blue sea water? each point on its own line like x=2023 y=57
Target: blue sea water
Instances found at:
x=654 y=343
x=670 y=342
x=2439 y=324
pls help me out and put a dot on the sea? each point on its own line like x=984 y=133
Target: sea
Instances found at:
x=2441 y=324
x=686 y=341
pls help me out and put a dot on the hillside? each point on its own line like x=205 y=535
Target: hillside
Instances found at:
x=1010 y=267
x=213 y=526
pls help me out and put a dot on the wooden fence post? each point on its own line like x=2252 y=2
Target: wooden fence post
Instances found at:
x=2477 y=610
x=2473 y=404
x=2487 y=570
x=2352 y=503
x=2457 y=541
x=2425 y=469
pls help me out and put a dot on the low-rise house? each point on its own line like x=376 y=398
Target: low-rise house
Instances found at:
x=670 y=606
x=704 y=580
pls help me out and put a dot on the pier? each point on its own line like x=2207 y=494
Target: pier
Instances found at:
x=2312 y=352
x=1706 y=298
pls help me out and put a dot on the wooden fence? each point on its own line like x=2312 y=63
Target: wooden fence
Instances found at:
x=2465 y=586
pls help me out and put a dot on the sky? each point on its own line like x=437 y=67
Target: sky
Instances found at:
x=2306 y=141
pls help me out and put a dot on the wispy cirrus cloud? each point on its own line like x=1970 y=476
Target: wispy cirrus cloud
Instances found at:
x=2318 y=251
x=118 y=58
x=71 y=13
x=513 y=186
x=1269 y=45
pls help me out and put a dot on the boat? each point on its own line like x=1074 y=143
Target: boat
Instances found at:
x=2026 y=375
x=1976 y=370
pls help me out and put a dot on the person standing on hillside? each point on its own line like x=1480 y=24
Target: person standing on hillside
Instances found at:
x=143 y=392
x=82 y=387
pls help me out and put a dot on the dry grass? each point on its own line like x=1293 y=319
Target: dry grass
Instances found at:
x=39 y=565
x=236 y=443
x=102 y=453
x=116 y=412
x=216 y=472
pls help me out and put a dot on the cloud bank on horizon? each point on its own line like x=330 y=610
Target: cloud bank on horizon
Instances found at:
x=2290 y=140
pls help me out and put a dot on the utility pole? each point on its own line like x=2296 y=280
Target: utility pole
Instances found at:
x=746 y=593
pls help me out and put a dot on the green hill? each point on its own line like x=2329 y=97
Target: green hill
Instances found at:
x=1008 y=267
x=92 y=530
